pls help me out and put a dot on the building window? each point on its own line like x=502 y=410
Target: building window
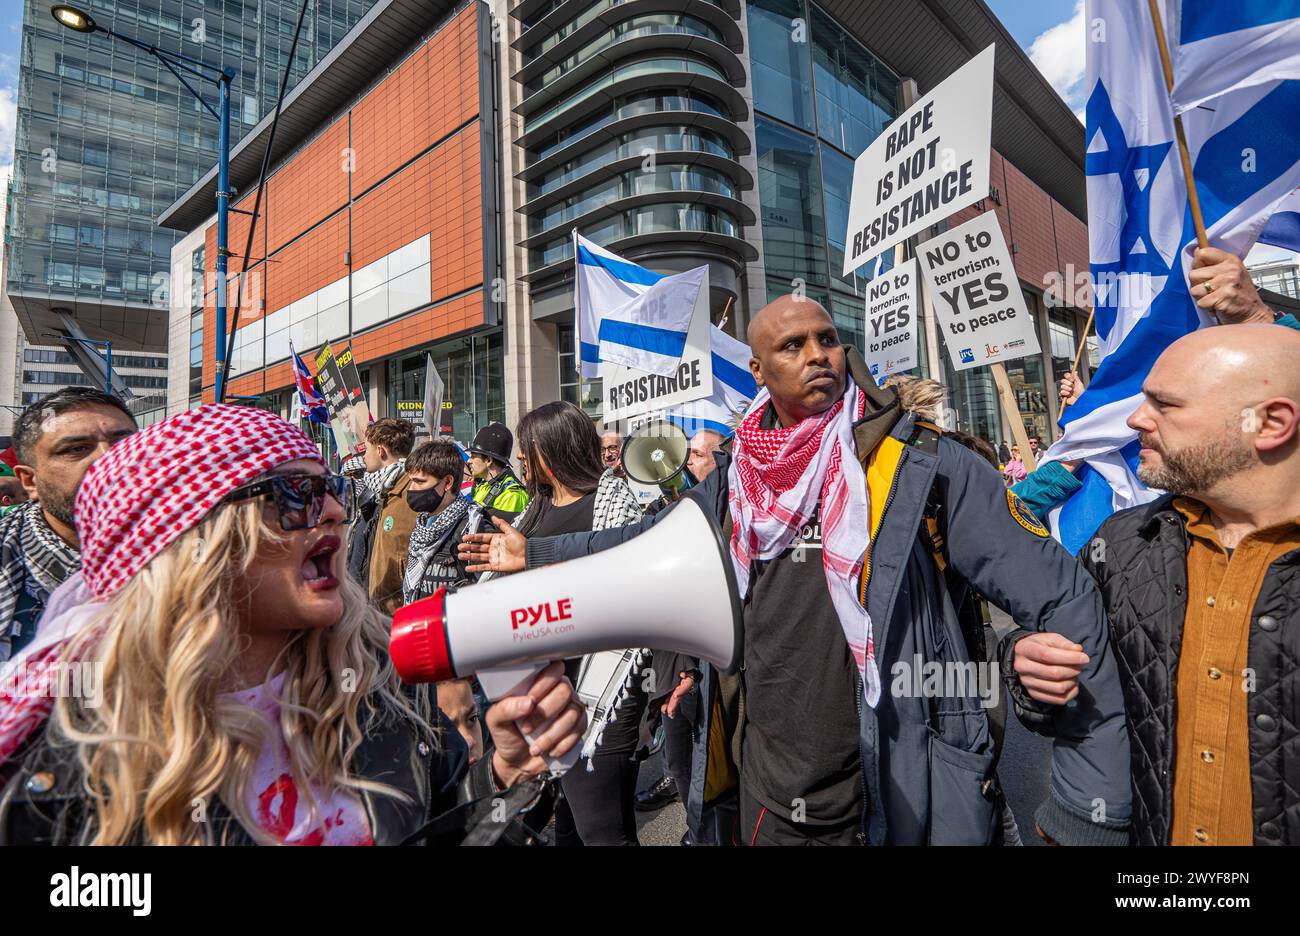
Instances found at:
x=856 y=93
x=198 y=278
x=794 y=225
x=472 y=372
x=196 y=355
x=573 y=389
x=1060 y=331
x=1026 y=377
x=779 y=60
x=78 y=379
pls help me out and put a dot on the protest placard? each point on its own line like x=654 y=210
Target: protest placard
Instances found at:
x=931 y=161
x=978 y=304
x=892 y=321
x=349 y=414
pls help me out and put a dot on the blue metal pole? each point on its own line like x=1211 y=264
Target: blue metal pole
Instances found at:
x=223 y=206
x=108 y=369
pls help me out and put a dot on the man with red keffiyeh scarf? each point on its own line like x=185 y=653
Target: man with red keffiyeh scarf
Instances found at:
x=829 y=733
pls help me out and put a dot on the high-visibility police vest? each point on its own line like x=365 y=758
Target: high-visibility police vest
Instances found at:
x=503 y=494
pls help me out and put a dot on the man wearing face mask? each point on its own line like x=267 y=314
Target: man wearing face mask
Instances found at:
x=436 y=470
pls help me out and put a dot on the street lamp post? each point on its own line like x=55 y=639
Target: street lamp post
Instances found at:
x=176 y=62
x=108 y=357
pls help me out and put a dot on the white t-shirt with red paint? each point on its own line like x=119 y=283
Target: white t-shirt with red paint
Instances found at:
x=273 y=796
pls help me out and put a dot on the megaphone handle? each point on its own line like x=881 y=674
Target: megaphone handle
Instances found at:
x=515 y=680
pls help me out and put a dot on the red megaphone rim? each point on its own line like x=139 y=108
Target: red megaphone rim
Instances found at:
x=418 y=644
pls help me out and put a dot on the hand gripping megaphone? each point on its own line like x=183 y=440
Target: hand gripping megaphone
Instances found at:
x=656 y=453
x=671 y=588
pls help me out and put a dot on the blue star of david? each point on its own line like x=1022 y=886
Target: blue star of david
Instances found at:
x=1125 y=161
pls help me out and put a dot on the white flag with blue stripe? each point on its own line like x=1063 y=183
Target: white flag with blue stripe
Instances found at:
x=1246 y=160
x=1219 y=46
x=1283 y=228
x=604 y=281
x=648 y=332
x=733 y=389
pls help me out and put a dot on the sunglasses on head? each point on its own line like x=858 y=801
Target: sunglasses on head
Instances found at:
x=299 y=498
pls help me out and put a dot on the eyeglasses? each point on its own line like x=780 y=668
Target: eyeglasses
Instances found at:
x=299 y=498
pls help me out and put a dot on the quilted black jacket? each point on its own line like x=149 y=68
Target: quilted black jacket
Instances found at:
x=1139 y=558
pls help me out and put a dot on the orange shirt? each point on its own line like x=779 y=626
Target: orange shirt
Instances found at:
x=1212 y=794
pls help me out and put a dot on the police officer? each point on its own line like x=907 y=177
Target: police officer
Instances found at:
x=495 y=486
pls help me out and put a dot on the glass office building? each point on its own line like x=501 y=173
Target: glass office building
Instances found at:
x=820 y=98
x=107 y=138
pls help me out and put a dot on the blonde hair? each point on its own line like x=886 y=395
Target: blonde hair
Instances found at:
x=919 y=395
x=163 y=743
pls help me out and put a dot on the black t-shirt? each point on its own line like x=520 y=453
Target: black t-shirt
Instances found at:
x=801 y=689
x=571 y=518
x=622 y=734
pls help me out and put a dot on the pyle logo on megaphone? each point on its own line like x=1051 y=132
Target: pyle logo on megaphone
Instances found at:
x=552 y=612
x=671 y=588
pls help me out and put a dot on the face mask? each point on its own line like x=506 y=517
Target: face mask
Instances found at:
x=427 y=501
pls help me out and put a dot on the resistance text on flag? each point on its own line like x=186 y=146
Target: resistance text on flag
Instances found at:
x=630 y=392
x=933 y=160
x=977 y=299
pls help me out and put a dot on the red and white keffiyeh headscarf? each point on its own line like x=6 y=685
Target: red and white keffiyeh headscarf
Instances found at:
x=135 y=501
x=776 y=480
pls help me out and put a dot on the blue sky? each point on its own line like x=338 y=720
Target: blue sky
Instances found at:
x=1051 y=31
x=11 y=25
x=1026 y=20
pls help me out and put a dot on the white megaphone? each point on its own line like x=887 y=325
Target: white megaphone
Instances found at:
x=671 y=588
x=656 y=454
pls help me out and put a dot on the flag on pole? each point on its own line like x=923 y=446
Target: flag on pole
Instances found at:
x=1141 y=235
x=307 y=400
x=733 y=390
x=648 y=332
x=434 y=389
x=603 y=281
x=1220 y=46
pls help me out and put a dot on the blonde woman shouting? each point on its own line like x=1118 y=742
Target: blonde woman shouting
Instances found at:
x=237 y=687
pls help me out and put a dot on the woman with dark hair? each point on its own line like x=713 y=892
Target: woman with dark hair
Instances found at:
x=571 y=491
x=560 y=452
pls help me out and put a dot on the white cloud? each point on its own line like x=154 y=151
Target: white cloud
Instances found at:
x=8 y=123
x=1060 y=53
x=1267 y=253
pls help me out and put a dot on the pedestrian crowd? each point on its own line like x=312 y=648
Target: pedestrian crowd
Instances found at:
x=194 y=621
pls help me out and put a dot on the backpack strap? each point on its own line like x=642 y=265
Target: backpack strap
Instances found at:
x=925 y=436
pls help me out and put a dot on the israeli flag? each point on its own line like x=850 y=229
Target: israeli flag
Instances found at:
x=648 y=332
x=733 y=390
x=1219 y=46
x=1245 y=154
x=1283 y=229
x=604 y=281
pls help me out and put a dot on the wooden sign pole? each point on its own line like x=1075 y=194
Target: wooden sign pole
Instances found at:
x=1011 y=413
